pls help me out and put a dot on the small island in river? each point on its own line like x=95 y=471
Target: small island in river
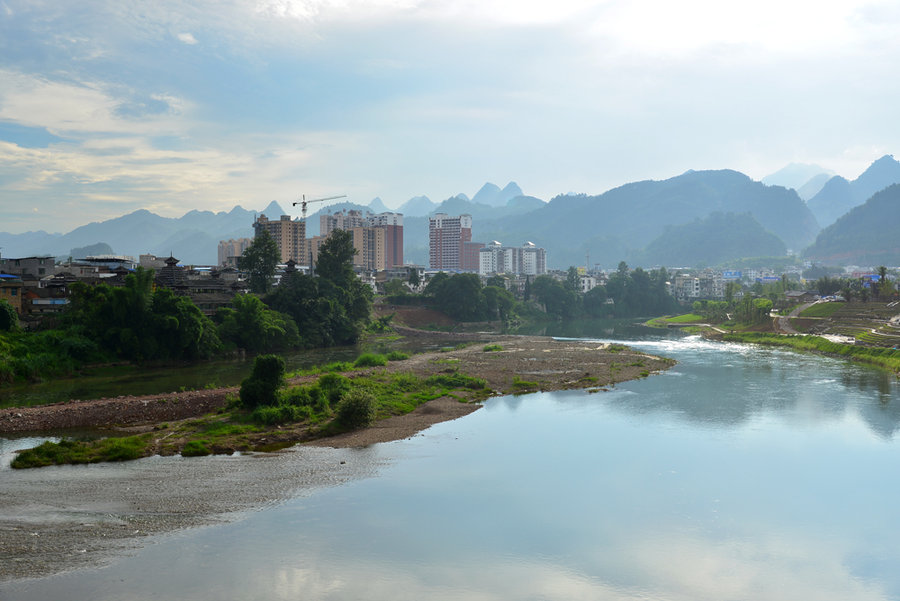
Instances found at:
x=64 y=518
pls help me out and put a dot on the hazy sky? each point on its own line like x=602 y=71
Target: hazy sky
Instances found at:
x=110 y=106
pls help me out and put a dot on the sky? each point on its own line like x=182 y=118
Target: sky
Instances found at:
x=109 y=106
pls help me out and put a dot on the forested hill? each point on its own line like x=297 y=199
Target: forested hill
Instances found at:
x=712 y=240
x=839 y=195
x=623 y=221
x=867 y=235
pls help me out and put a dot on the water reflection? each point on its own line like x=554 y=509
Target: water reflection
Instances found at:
x=743 y=473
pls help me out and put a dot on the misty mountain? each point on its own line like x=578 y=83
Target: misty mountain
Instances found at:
x=712 y=240
x=813 y=186
x=492 y=196
x=376 y=205
x=418 y=206
x=626 y=219
x=865 y=236
x=797 y=175
x=192 y=238
x=839 y=195
x=101 y=248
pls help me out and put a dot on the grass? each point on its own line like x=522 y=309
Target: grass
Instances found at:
x=686 y=318
x=520 y=385
x=492 y=348
x=821 y=310
x=886 y=358
x=69 y=451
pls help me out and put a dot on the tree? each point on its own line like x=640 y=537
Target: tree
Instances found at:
x=263 y=383
x=333 y=307
x=414 y=279
x=573 y=281
x=9 y=321
x=558 y=301
x=259 y=260
x=249 y=324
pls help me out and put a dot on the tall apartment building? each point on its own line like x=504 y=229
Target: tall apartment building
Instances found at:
x=290 y=236
x=378 y=239
x=230 y=250
x=447 y=237
x=527 y=259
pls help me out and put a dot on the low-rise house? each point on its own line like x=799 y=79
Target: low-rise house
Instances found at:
x=12 y=291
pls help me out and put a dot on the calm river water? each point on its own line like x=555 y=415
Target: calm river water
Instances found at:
x=742 y=473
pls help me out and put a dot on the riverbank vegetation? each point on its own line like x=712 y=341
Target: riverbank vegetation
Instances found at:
x=142 y=323
x=626 y=293
x=887 y=358
x=331 y=404
x=337 y=400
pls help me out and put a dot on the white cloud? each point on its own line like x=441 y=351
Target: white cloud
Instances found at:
x=187 y=38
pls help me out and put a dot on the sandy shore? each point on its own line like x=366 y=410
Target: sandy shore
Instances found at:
x=61 y=518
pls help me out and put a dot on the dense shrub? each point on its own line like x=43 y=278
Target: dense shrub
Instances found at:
x=265 y=380
x=397 y=356
x=357 y=409
x=456 y=380
x=194 y=448
x=370 y=360
x=334 y=386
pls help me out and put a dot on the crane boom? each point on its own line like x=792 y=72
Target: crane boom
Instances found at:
x=303 y=202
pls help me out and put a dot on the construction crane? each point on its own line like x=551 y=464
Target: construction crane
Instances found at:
x=303 y=202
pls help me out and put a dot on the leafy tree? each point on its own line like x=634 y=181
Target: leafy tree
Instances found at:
x=460 y=296
x=264 y=381
x=499 y=302
x=414 y=279
x=573 y=281
x=357 y=409
x=251 y=325
x=558 y=301
x=260 y=260
x=134 y=322
x=594 y=302
x=392 y=287
x=334 y=306
x=9 y=321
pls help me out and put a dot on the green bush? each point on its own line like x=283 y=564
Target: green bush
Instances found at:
x=194 y=448
x=397 y=356
x=333 y=387
x=356 y=410
x=456 y=380
x=370 y=360
x=266 y=378
x=492 y=348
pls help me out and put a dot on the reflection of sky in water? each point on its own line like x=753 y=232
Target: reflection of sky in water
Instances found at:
x=751 y=474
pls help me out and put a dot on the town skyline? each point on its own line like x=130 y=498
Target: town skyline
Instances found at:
x=170 y=106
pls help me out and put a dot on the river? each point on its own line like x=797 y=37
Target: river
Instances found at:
x=741 y=473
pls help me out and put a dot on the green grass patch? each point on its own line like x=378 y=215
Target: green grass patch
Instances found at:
x=821 y=310
x=686 y=318
x=886 y=358
x=397 y=356
x=370 y=360
x=492 y=348
x=519 y=384
x=195 y=448
x=69 y=451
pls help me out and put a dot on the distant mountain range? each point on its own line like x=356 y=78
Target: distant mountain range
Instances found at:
x=620 y=223
x=840 y=195
x=697 y=218
x=806 y=179
x=866 y=236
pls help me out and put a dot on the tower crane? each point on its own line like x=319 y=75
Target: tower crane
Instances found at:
x=303 y=202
